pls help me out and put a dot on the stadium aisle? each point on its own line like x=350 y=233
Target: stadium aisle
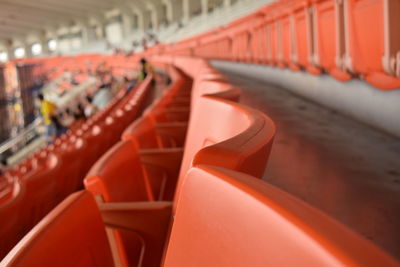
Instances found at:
x=343 y=167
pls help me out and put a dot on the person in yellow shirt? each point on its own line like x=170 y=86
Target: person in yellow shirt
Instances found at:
x=48 y=110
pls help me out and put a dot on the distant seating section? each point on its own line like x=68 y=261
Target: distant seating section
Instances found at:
x=31 y=189
x=317 y=36
x=177 y=186
x=176 y=182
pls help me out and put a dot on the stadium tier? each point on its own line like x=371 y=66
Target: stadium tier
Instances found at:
x=170 y=171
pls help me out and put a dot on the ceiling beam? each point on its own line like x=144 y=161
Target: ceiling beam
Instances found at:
x=20 y=24
x=45 y=11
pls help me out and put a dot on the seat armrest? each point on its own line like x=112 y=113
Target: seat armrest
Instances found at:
x=175 y=130
x=150 y=220
x=169 y=160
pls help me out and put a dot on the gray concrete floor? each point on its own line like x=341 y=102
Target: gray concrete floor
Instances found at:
x=338 y=165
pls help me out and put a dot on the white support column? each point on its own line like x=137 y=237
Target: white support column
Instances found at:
x=103 y=29
x=156 y=15
x=140 y=19
x=127 y=22
x=141 y=12
x=204 y=7
x=175 y=10
x=10 y=52
x=168 y=4
x=28 y=50
x=189 y=7
x=227 y=3
x=153 y=17
x=45 y=46
x=187 y=14
x=85 y=34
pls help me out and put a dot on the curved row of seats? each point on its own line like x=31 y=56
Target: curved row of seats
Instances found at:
x=319 y=36
x=34 y=187
x=196 y=203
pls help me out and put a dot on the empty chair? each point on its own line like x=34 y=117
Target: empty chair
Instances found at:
x=119 y=176
x=217 y=87
x=285 y=36
x=258 y=40
x=226 y=218
x=147 y=133
x=10 y=213
x=234 y=136
x=6 y=185
x=40 y=196
x=70 y=179
x=328 y=47
x=223 y=133
x=302 y=35
x=181 y=114
x=72 y=234
x=272 y=37
x=374 y=46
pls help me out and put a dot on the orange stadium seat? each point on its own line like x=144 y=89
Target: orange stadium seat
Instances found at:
x=217 y=87
x=231 y=136
x=172 y=173
x=226 y=218
x=120 y=176
x=330 y=38
x=272 y=36
x=212 y=199
x=127 y=174
x=71 y=235
x=146 y=133
x=374 y=45
x=240 y=41
x=41 y=195
x=259 y=40
x=70 y=179
x=10 y=212
x=285 y=36
x=303 y=35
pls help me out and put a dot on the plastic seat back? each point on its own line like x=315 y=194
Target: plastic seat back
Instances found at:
x=218 y=88
x=329 y=44
x=229 y=219
x=10 y=212
x=143 y=133
x=226 y=134
x=118 y=175
x=71 y=177
x=71 y=235
x=41 y=194
x=374 y=45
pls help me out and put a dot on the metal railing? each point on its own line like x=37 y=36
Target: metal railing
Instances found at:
x=21 y=137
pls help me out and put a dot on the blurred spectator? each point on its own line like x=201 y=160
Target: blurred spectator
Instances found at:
x=68 y=118
x=48 y=109
x=129 y=84
x=102 y=70
x=57 y=121
x=144 y=69
x=103 y=96
x=90 y=108
x=79 y=113
x=144 y=44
